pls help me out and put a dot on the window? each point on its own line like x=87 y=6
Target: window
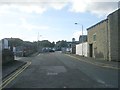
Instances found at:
x=94 y=37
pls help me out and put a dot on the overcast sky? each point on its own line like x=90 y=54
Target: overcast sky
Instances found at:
x=52 y=19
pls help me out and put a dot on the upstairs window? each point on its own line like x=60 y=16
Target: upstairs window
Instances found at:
x=94 y=37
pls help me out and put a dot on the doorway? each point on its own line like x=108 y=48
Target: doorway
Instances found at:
x=91 y=50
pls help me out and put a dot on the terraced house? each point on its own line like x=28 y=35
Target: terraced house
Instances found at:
x=103 y=38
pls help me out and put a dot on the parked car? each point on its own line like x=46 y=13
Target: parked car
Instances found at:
x=51 y=50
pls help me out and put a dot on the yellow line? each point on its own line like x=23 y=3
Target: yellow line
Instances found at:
x=12 y=77
x=15 y=75
x=106 y=66
x=4 y=81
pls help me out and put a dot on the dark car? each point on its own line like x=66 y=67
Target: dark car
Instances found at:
x=51 y=50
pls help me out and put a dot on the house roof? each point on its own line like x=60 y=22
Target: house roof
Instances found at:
x=104 y=19
x=10 y=39
x=114 y=12
x=97 y=24
x=83 y=38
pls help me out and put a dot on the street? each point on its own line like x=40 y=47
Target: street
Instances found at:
x=57 y=70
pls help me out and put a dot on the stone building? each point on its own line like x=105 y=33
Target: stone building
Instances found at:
x=5 y=44
x=82 y=38
x=113 y=35
x=103 y=38
x=73 y=45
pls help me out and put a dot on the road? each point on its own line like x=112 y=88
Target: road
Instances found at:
x=57 y=70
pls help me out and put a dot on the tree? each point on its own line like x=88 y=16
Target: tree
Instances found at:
x=15 y=42
x=46 y=43
x=61 y=44
x=53 y=44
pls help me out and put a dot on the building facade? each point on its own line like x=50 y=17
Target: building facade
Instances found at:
x=5 y=44
x=83 y=38
x=97 y=37
x=103 y=38
x=113 y=34
x=73 y=45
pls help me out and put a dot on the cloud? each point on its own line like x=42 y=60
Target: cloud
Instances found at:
x=102 y=8
x=4 y=9
x=58 y=6
x=97 y=7
x=12 y=8
x=34 y=6
x=24 y=24
x=31 y=9
x=78 y=5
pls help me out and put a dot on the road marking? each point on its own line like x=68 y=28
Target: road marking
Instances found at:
x=100 y=81
x=14 y=75
x=52 y=73
x=105 y=65
x=64 y=87
x=38 y=54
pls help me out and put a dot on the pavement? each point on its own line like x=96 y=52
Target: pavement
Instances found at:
x=11 y=67
x=98 y=62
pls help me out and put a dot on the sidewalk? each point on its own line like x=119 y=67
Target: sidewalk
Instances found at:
x=103 y=63
x=11 y=67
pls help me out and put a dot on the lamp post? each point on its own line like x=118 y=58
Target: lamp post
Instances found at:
x=38 y=41
x=82 y=37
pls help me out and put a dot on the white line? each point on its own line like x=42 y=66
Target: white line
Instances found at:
x=38 y=54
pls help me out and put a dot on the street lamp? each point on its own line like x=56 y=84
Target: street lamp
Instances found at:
x=38 y=41
x=82 y=37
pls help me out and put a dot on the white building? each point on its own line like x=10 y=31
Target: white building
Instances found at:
x=0 y=46
x=80 y=51
x=5 y=44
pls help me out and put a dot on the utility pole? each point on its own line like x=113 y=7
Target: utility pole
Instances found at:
x=82 y=40
x=38 y=42
x=82 y=37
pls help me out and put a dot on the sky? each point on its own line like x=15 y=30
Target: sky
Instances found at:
x=51 y=20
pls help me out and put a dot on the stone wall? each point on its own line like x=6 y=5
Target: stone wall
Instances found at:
x=7 y=56
x=113 y=35
x=100 y=44
x=107 y=32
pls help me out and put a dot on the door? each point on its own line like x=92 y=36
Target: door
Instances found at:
x=91 y=50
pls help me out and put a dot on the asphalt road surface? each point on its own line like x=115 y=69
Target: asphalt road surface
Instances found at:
x=57 y=70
